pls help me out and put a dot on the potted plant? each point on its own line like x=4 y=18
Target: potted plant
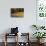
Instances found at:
x=42 y=27
x=38 y=27
x=35 y=26
x=39 y=35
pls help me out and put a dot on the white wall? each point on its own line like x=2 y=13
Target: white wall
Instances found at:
x=24 y=23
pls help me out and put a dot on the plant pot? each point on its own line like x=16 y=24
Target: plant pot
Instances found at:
x=40 y=41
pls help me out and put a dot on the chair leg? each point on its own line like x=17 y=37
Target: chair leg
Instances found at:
x=17 y=39
x=5 y=43
x=5 y=40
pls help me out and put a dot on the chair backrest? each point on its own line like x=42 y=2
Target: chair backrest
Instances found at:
x=14 y=30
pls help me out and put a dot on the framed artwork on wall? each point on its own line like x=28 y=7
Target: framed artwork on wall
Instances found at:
x=41 y=8
x=41 y=12
x=17 y=12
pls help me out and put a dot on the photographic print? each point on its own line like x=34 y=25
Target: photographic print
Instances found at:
x=17 y=12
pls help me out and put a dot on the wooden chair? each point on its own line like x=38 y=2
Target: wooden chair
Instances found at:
x=8 y=34
x=27 y=37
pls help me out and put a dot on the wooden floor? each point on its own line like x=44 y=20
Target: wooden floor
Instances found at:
x=13 y=44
